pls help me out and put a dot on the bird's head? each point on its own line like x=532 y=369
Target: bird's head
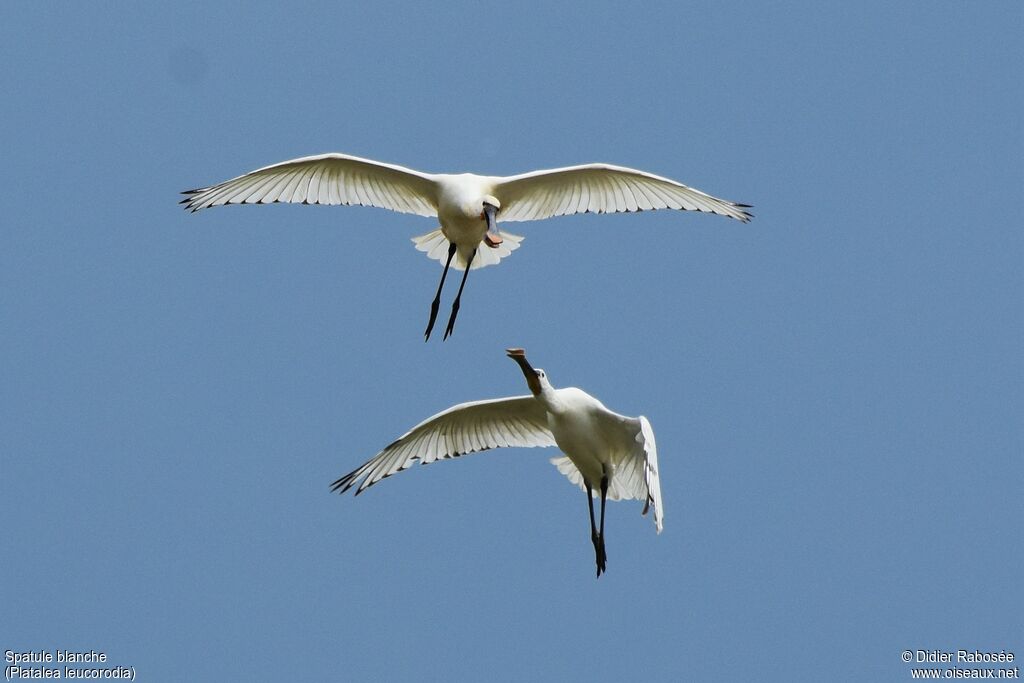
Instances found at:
x=536 y=378
x=489 y=203
x=489 y=210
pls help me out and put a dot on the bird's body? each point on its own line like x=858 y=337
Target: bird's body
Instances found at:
x=467 y=206
x=460 y=213
x=606 y=454
x=596 y=440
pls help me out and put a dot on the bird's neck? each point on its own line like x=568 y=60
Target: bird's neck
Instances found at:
x=550 y=398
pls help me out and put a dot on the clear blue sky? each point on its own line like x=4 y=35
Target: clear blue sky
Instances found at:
x=836 y=388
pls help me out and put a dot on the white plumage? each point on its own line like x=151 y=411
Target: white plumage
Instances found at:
x=606 y=454
x=467 y=206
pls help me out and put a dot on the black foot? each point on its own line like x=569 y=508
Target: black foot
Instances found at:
x=433 y=317
x=451 y=321
x=602 y=558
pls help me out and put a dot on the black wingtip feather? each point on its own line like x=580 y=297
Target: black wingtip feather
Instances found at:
x=342 y=484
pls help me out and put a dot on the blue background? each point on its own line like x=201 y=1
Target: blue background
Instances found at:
x=836 y=388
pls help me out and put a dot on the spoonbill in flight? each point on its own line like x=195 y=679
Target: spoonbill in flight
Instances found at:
x=467 y=206
x=606 y=454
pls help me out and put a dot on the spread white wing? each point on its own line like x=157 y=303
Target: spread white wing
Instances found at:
x=601 y=188
x=466 y=428
x=636 y=470
x=651 y=478
x=325 y=179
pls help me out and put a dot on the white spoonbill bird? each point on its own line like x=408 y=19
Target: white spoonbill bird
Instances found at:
x=467 y=206
x=606 y=454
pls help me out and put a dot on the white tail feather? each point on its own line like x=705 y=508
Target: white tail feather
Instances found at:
x=625 y=484
x=435 y=244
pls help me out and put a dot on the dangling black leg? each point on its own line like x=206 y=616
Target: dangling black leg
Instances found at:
x=602 y=557
x=594 y=538
x=458 y=299
x=437 y=297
